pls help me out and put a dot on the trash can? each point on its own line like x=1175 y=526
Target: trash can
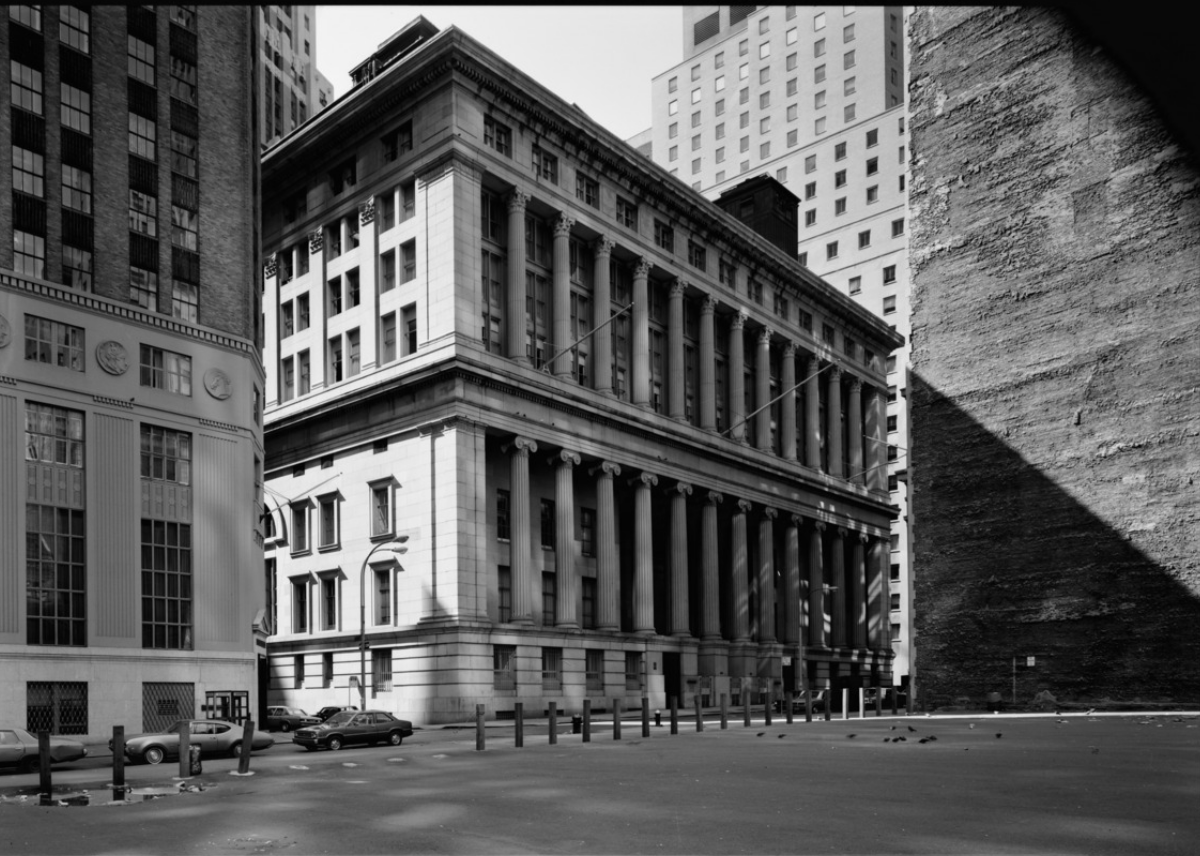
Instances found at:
x=576 y=724
x=195 y=768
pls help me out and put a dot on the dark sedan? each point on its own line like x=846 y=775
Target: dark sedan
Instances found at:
x=19 y=748
x=281 y=718
x=342 y=729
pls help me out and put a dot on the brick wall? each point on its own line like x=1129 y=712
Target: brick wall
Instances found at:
x=1055 y=390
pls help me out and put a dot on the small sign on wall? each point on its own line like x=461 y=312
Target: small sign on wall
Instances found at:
x=1030 y=661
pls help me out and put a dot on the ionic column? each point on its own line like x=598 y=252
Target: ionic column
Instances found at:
x=675 y=397
x=766 y=575
x=741 y=569
x=564 y=537
x=643 y=560
x=833 y=423
x=787 y=424
x=679 y=559
x=880 y=444
x=562 y=294
x=608 y=577
x=812 y=414
x=641 y=333
x=711 y=629
x=737 y=379
x=856 y=473
x=816 y=586
x=791 y=581
x=708 y=366
x=838 y=580
x=762 y=391
x=858 y=590
x=602 y=291
x=514 y=315
x=520 y=533
x=872 y=443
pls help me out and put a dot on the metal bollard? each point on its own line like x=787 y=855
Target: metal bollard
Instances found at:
x=699 y=714
x=767 y=707
x=519 y=724
x=746 y=711
x=787 y=706
x=616 y=719
x=247 y=747
x=645 y=717
x=674 y=715
x=895 y=696
x=878 y=701
x=553 y=723
x=587 y=720
x=480 y=739
x=118 y=743
x=828 y=701
x=724 y=711
x=185 y=749
x=808 y=705
x=908 y=701
x=45 y=786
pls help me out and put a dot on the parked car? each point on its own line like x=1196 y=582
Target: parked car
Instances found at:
x=819 y=700
x=213 y=736
x=326 y=712
x=342 y=729
x=19 y=748
x=280 y=718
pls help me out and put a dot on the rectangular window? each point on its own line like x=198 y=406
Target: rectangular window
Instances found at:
x=552 y=669
x=387 y=270
x=587 y=190
x=183 y=80
x=26 y=88
x=76 y=188
x=697 y=255
x=383 y=597
x=408 y=329
x=143 y=213
x=328 y=532
x=184 y=157
x=839 y=205
x=343 y=176
x=29 y=172
x=819 y=48
x=141 y=60
x=504 y=593
x=381 y=671
x=185 y=228
x=633 y=670
x=77 y=268
x=300 y=527
x=298 y=663
x=872 y=166
x=897 y=228
x=54 y=343
x=300 y=618
x=548 y=524
x=162 y=369
x=855 y=284
x=143 y=137
x=382 y=523
x=549 y=599
x=492 y=273
x=664 y=236
x=166 y=585
x=408 y=261
x=889 y=274
x=75 y=27
x=504 y=666
x=831 y=250
x=302 y=312
x=76 y=106
x=545 y=165
x=848 y=112
x=872 y=194
x=588 y=592
x=848 y=59
x=56 y=578
x=627 y=213
x=166 y=454
x=60 y=707
x=810 y=217
x=889 y=304
x=864 y=239
x=497 y=136
x=336 y=365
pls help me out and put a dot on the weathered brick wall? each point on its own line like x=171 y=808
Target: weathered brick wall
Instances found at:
x=1055 y=396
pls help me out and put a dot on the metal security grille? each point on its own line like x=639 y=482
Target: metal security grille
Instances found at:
x=706 y=28
x=60 y=708
x=739 y=13
x=163 y=704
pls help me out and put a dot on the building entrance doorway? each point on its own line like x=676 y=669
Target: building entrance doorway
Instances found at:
x=673 y=678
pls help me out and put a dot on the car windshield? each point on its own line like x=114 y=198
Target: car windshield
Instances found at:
x=342 y=718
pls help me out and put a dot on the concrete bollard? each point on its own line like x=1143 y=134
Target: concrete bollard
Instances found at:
x=616 y=719
x=845 y=702
x=746 y=711
x=118 y=742
x=480 y=739
x=247 y=747
x=645 y=717
x=878 y=701
x=587 y=720
x=45 y=785
x=553 y=723
x=724 y=711
x=895 y=696
x=699 y=713
x=770 y=700
x=787 y=708
x=828 y=701
x=185 y=749
x=519 y=724
x=862 y=706
x=674 y=715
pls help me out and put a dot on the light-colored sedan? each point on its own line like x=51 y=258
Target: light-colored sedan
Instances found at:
x=213 y=736
x=19 y=748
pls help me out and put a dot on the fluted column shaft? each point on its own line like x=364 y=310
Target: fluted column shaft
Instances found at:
x=741 y=570
x=762 y=391
x=791 y=581
x=816 y=586
x=608 y=577
x=881 y=550
x=675 y=369
x=679 y=560
x=641 y=334
x=855 y=433
x=564 y=538
x=787 y=422
x=766 y=576
x=711 y=629
x=737 y=378
x=837 y=574
x=879 y=445
x=708 y=366
x=602 y=292
x=515 y=308
x=562 y=295
x=643 y=547
x=858 y=591
x=833 y=420
x=812 y=414
x=520 y=530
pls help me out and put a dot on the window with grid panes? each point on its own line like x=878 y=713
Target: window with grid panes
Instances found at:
x=143 y=137
x=664 y=236
x=587 y=190
x=166 y=585
x=492 y=272
x=76 y=189
x=621 y=277
x=383 y=597
x=537 y=321
x=75 y=27
x=76 y=267
x=864 y=239
x=497 y=136
x=143 y=288
x=889 y=274
x=141 y=60
x=897 y=227
x=627 y=213
x=162 y=369
x=26 y=88
x=185 y=227
x=545 y=165
x=76 y=108
x=183 y=80
x=184 y=157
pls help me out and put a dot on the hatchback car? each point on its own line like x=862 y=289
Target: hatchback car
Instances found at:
x=342 y=729
x=213 y=736
x=19 y=748
x=280 y=718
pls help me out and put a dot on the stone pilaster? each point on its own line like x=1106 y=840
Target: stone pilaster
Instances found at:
x=838 y=581
x=791 y=582
x=643 y=560
x=679 y=559
x=816 y=586
x=564 y=537
x=521 y=536
x=812 y=414
x=740 y=571
x=766 y=576
x=858 y=590
x=762 y=390
x=608 y=577
x=855 y=432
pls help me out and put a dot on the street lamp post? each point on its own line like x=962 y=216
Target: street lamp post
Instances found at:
x=397 y=547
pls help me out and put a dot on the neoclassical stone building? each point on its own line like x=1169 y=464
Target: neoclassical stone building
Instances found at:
x=635 y=447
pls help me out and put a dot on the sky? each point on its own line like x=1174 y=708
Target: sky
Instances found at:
x=599 y=57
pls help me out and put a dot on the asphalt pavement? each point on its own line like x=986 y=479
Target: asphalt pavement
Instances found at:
x=965 y=784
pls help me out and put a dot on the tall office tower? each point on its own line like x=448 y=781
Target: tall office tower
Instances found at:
x=814 y=97
x=501 y=333
x=292 y=88
x=130 y=373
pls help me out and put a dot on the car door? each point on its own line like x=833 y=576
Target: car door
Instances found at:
x=221 y=739
x=360 y=728
x=11 y=749
x=200 y=734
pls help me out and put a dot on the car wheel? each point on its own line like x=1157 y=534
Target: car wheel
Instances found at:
x=29 y=765
x=154 y=755
x=335 y=743
x=310 y=748
x=395 y=738
x=285 y=727
x=235 y=750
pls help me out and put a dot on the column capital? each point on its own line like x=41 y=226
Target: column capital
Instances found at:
x=840 y=531
x=713 y=498
x=520 y=445
x=709 y=305
x=856 y=384
x=814 y=364
x=819 y=525
x=517 y=200
x=606 y=469
x=864 y=537
x=366 y=211
x=647 y=479
x=270 y=266
x=562 y=226
x=835 y=372
x=738 y=321
x=764 y=335
x=795 y=520
x=678 y=287
x=566 y=458
x=789 y=349
x=744 y=506
x=603 y=246
x=770 y=513
x=682 y=488
x=643 y=267
x=315 y=239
